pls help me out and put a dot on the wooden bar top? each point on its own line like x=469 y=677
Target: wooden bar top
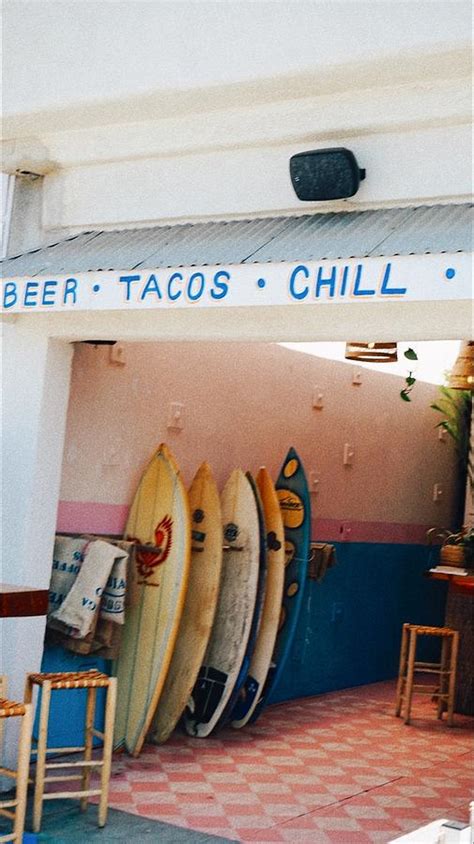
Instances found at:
x=457 y=576
x=21 y=601
x=459 y=614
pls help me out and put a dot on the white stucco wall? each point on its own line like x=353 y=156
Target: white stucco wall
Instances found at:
x=111 y=50
x=132 y=128
x=35 y=390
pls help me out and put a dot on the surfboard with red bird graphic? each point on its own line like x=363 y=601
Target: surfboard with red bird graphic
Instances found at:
x=159 y=517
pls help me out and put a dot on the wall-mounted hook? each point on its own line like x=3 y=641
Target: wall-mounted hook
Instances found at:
x=175 y=416
x=318 y=399
x=348 y=454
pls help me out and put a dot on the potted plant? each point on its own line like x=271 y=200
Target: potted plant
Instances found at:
x=458 y=549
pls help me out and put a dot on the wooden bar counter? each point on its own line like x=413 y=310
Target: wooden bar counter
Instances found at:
x=22 y=601
x=460 y=616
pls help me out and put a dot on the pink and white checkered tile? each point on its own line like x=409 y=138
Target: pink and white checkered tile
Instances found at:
x=335 y=768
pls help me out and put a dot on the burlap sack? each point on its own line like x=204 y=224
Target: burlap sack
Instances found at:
x=112 y=605
x=79 y=609
x=68 y=555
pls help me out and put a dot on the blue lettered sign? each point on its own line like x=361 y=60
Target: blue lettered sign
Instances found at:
x=408 y=278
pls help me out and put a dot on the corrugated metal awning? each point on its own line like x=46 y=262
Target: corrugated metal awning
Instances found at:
x=315 y=237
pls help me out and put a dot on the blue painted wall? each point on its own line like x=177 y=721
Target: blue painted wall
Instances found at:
x=350 y=626
x=68 y=708
x=348 y=633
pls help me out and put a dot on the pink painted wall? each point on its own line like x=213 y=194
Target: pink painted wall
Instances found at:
x=245 y=404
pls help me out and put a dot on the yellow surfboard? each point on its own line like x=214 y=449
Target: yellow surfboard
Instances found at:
x=200 y=606
x=275 y=539
x=159 y=517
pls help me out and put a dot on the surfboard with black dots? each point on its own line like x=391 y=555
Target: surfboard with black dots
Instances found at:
x=235 y=608
x=244 y=682
x=293 y=496
x=275 y=549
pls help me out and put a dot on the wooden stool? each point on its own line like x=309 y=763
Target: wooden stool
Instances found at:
x=445 y=669
x=90 y=680
x=15 y=809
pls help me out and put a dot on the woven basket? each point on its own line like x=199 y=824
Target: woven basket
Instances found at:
x=452 y=555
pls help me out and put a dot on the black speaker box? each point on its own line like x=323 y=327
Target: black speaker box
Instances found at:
x=325 y=174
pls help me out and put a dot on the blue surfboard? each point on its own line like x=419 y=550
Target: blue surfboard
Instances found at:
x=293 y=494
x=244 y=685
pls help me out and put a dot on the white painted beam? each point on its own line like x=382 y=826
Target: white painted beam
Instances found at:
x=303 y=119
x=442 y=320
x=403 y=168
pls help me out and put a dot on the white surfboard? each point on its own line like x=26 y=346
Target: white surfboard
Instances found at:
x=275 y=543
x=235 y=607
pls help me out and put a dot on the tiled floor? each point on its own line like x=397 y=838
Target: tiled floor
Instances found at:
x=334 y=768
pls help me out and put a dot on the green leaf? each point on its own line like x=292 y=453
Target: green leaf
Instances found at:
x=453 y=432
x=411 y=354
x=410 y=381
x=404 y=395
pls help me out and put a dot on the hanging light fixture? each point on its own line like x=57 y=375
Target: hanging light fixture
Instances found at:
x=371 y=352
x=98 y=342
x=462 y=373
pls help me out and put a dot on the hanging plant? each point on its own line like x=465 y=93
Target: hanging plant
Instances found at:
x=410 y=380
